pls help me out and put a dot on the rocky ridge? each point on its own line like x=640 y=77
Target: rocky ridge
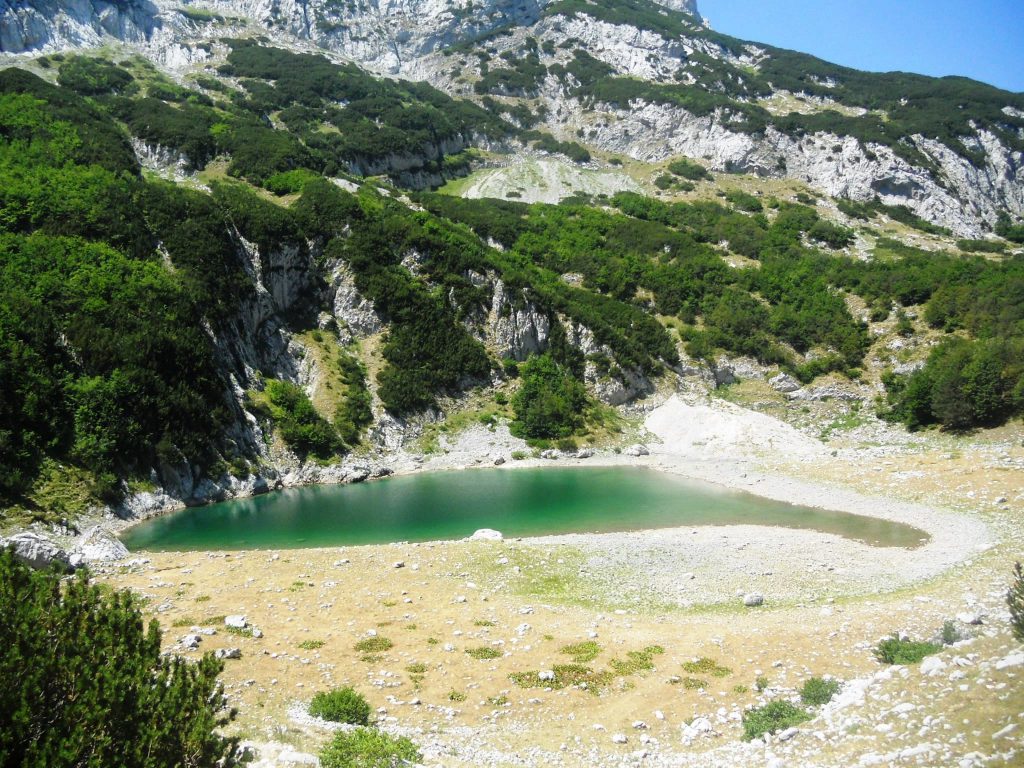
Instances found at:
x=411 y=38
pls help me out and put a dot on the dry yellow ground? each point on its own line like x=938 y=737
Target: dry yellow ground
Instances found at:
x=448 y=598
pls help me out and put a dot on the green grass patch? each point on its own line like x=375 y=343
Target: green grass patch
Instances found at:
x=374 y=645
x=456 y=696
x=311 y=645
x=893 y=650
x=706 y=666
x=582 y=652
x=565 y=675
x=483 y=652
x=636 y=661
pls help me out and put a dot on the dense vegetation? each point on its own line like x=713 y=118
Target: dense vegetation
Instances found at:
x=368 y=748
x=380 y=118
x=664 y=250
x=83 y=683
x=113 y=286
x=550 y=402
x=341 y=705
x=103 y=358
x=338 y=117
x=305 y=430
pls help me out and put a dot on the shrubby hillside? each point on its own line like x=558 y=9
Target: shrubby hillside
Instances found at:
x=216 y=275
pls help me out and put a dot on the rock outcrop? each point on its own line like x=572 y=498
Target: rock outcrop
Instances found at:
x=37 y=551
x=99 y=544
x=31 y=25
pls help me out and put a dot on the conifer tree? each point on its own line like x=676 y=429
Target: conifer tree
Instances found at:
x=82 y=681
x=1015 y=599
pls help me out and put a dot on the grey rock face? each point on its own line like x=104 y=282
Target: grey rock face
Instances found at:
x=36 y=551
x=29 y=25
x=784 y=383
x=518 y=328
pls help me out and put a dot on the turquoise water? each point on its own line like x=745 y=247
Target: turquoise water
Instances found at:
x=520 y=502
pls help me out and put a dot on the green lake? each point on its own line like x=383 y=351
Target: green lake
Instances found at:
x=517 y=502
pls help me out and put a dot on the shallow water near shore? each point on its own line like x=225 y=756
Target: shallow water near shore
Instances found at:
x=518 y=502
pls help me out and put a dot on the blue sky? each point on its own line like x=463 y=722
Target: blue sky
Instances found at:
x=983 y=39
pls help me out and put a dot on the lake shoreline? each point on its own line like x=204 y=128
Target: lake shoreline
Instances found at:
x=953 y=537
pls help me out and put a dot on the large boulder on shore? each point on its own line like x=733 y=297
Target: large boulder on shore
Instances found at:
x=99 y=544
x=36 y=551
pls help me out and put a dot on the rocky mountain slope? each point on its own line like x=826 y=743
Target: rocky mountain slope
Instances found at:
x=249 y=174
x=743 y=107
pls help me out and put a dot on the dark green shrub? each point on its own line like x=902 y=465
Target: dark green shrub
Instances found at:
x=832 y=235
x=771 y=718
x=368 y=748
x=342 y=705
x=91 y=76
x=964 y=384
x=817 y=692
x=1015 y=600
x=893 y=650
x=663 y=182
x=980 y=246
x=550 y=402
x=688 y=169
x=744 y=201
x=83 y=682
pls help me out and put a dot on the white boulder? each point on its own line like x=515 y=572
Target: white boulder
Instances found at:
x=486 y=534
x=36 y=551
x=99 y=544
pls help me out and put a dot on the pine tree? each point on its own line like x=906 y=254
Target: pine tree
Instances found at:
x=82 y=682
x=1015 y=599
